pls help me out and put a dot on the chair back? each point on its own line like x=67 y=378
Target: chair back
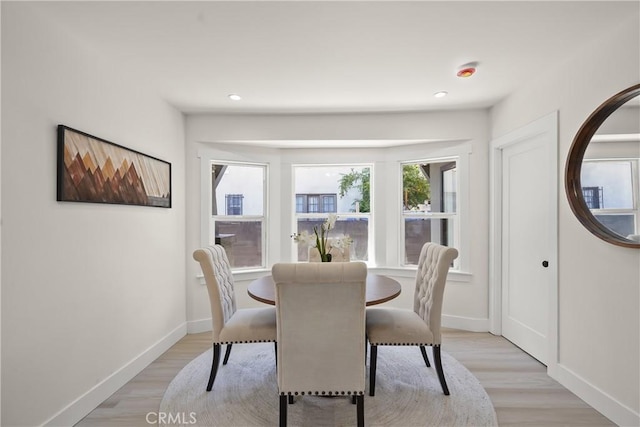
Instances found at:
x=337 y=254
x=217 y=274
x=320 y=317
x=431 y=277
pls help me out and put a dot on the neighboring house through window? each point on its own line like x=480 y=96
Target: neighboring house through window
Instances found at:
x=238 y=194
x=306 y=203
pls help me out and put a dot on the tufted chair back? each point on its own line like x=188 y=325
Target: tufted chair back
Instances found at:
x=320 y=318
x=431 y=277
x=217 y=274
x=337 y=255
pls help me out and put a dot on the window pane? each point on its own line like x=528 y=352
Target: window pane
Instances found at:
x=418 y=231
x=244 y=182
x=356 y=228
x=623 y=224
x=449 y=190
x=416 y=188
x=613 y=178
x=347 y=185
x=242 y=241
x=429 y=187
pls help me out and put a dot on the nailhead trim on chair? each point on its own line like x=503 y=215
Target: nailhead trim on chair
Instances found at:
x=402 y=343
x=243 y=342
x=321 y=393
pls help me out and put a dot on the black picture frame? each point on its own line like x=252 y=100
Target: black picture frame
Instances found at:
x=94 y=170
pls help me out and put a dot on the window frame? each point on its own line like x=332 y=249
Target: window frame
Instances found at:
x=633 y=211
x=341 y=215
x=263 y=219
x=455 y=216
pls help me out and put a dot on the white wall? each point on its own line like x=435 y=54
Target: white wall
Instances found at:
x=466 y=301
x=599 y=284
x=90 y=293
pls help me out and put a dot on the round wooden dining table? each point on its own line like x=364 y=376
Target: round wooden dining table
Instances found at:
x=379 y=289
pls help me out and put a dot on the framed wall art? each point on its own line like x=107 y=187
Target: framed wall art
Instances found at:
x=93 y=170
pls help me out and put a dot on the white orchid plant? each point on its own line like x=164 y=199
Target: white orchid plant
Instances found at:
x=320 y=237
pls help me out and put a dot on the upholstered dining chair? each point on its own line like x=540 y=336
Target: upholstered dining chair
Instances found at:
x=230 y=324
x=337 y=254
x=420 y=326
x=321 y=342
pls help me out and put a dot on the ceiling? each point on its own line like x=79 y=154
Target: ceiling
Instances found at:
x=335 y=56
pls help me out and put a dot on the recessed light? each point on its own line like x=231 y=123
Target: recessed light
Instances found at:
x=235 y=97
x=441 y=94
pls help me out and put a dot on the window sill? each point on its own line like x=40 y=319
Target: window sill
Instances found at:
x=453 y=276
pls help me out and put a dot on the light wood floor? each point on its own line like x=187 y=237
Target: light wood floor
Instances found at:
x=521 y=391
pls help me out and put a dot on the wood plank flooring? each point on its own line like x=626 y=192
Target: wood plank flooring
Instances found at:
x=521 y=391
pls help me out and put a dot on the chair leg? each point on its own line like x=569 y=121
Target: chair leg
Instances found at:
x=214 y=366
x=291 y=401
x=283 y=410
x=226 y=354
x=424 y=356
x=360 y=409
x=438 y=361
x=275 y=346
x=372 y=370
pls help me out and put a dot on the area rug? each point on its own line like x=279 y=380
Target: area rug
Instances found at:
x=245 y=394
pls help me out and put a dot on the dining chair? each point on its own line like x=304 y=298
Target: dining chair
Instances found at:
x=230 y=324
x=321 y=340
x=420 y=326
x=337 y=254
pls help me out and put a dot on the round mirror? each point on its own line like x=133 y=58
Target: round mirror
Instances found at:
x=602 y=172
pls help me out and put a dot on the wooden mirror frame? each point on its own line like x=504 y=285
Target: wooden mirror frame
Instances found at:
x=573 y=185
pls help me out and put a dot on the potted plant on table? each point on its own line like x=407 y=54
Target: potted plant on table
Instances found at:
x=320 y=239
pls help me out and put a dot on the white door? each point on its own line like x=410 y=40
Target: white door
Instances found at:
x=529 y=186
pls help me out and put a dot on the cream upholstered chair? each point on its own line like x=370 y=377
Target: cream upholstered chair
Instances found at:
x=337 y=254
x=230 y=324
x=321 y=342
x=420 y=326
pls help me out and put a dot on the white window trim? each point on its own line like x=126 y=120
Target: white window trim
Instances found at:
x=461 y=154
x=434 y=215
x=271 y=229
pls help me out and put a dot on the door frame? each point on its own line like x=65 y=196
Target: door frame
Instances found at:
x=548 y=127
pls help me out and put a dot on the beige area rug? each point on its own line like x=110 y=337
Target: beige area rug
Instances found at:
x=245 y=394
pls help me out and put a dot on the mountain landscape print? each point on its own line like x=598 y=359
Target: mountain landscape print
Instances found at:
x=93 y=170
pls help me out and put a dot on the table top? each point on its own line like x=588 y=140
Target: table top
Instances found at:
x=379 y=289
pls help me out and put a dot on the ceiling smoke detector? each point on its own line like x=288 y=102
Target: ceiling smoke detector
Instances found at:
x=467 y=70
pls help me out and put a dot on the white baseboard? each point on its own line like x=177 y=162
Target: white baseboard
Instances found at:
x=608 y=406
x=470 y=324
x=197 y=326
x=86 y=403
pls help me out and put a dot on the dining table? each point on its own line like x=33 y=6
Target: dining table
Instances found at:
x=379 y=289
